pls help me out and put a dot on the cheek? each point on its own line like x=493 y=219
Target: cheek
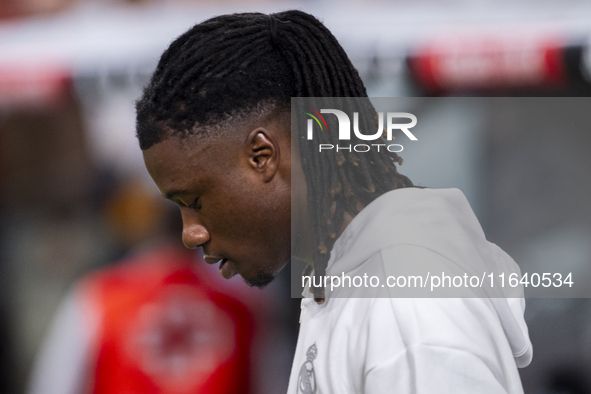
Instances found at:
x=252 y=217
x=236 y=210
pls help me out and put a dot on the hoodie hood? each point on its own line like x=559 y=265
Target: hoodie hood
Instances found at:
x=442 y=221
x=439 y=219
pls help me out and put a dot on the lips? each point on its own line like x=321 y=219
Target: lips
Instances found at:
x=212 y=259
x=226 y=269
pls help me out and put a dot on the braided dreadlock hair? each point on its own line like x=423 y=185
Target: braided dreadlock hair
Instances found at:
x=233 y=66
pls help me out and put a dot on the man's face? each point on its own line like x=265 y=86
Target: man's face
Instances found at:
x=234 y=197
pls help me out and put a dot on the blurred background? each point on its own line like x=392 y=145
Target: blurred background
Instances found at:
x=74 y=195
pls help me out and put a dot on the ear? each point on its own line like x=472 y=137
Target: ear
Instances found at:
x=263 y=152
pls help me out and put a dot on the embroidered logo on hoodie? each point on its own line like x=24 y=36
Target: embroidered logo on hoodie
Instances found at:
x=307 y=378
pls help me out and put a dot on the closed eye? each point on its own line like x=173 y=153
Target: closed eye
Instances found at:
x=194 y=205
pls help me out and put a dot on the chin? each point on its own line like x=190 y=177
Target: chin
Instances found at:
x=260 y=280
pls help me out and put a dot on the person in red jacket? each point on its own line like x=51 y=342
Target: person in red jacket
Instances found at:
x=154 y=322
x=160 y=328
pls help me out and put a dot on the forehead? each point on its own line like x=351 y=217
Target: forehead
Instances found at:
x=177 y=164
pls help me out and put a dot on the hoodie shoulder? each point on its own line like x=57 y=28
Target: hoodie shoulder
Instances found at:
x=438 y=219
x=435 y=229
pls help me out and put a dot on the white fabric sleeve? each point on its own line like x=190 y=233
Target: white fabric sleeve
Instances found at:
x=61 y=365
x=431 y=369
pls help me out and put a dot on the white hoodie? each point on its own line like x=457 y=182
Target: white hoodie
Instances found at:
x=412 y=345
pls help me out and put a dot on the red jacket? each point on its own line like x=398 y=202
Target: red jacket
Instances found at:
x=163 y=329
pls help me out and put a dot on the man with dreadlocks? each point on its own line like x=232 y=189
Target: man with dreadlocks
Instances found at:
x=214 y=127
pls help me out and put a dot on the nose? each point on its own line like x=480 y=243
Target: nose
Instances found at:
x=194 y=233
